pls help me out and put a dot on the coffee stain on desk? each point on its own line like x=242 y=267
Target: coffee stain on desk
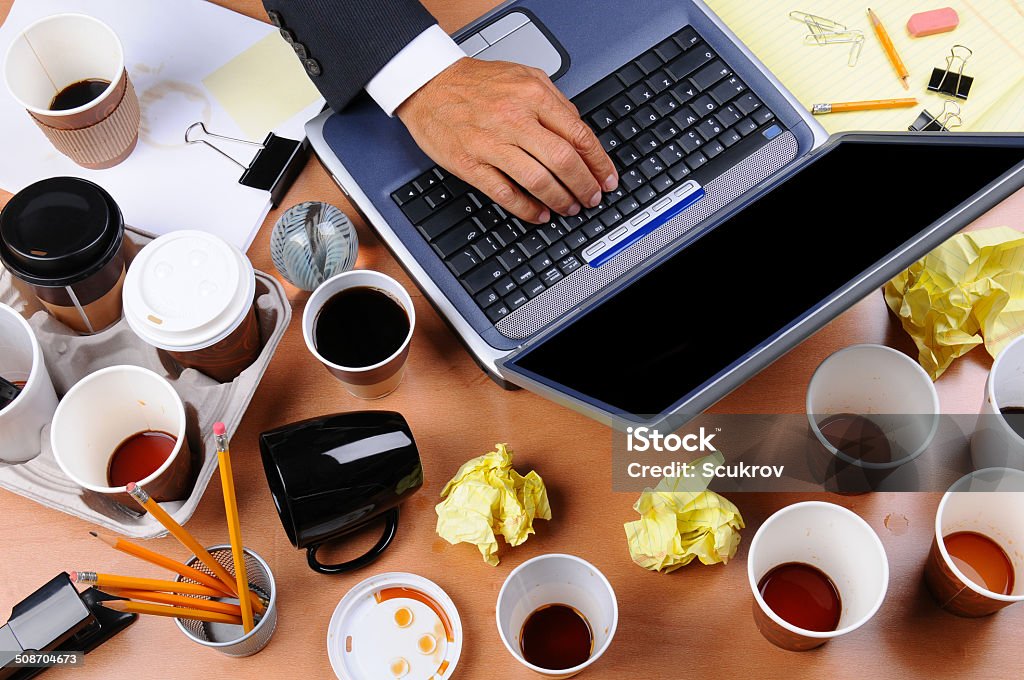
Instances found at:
x=166 y=89
x=897 y=523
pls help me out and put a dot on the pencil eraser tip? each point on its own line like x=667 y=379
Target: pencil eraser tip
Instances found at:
x=74 y=576
x=219 y=429
x=932 y=22
x=131 y=486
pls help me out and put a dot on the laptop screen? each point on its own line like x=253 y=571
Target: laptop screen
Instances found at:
x=739 y=285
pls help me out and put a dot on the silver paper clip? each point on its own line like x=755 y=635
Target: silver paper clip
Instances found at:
x=824 y=31
x=952 y=81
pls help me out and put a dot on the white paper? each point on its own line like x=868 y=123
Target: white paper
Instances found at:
x=164 y=185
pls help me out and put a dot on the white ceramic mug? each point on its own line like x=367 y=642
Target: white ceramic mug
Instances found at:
x=557 y=579
x=366 y=382
x=989 y=502
x=104 y=409
x=21 y=360
x=882 y=385
x=994 y=443
x=836 y=541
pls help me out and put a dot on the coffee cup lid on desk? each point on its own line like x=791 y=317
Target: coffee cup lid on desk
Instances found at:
x=59 y=231
x=187 y=290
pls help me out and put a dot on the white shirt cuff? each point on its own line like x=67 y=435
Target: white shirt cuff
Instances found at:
x=431 y=52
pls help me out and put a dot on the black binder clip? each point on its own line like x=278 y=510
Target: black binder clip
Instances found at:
x=952 y=81
x=944 y=122
x=56 y=618
x=274 y=167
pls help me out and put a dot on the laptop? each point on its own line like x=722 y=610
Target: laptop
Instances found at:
x=738 y=229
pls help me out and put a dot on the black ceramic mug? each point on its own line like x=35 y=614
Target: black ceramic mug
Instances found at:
x=332 y=475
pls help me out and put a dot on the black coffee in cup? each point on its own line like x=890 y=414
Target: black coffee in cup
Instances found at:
x=78 y=94
x=360 y=326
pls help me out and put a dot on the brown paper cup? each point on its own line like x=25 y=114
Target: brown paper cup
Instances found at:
x=62 y=50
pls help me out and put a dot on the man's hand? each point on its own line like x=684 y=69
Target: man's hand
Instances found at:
x=503 y=128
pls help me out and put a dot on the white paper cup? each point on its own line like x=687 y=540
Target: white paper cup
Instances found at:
x=989 y=502
x=101 y=411
x=837 y=542
x=994 y=443
x=557 y=579
x=58 y=51
x=882 y=385
x=21 y=359
x=365 y=382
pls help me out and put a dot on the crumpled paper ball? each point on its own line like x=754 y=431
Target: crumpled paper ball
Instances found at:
x=679 y=521
x=487 y=498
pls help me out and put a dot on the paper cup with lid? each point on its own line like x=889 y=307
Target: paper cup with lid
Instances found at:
x=191 y=294
x=395 y=625
x=62 y=236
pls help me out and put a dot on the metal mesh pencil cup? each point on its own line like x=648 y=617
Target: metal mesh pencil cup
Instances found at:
x=224 y=637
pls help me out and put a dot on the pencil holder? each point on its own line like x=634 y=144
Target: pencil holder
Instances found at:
x=226 y=638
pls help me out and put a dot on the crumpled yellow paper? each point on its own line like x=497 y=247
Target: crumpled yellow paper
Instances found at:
x=967 y=291
x=487 y=497
x=679 y=521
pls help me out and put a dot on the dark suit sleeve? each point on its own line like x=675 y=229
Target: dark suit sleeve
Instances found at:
x=342 y=44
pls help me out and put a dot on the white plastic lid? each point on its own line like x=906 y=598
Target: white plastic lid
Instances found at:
x=378 y=628
x=187 y=290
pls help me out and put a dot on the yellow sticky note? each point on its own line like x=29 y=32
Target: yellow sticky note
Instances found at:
x=679 y=522
x=262 y=87
x=487 y=498
x=966 y=292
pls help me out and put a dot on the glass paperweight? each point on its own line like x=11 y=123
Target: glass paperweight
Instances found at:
x=312 y=242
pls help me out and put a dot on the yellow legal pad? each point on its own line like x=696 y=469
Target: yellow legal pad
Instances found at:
x=820 y=74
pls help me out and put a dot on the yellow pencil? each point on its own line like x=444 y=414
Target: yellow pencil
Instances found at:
x=175 y=612
x=92 y=578
x=890 y=49
x=227 y=481
x=868 y=105
x=179 y=532
x=176 y=600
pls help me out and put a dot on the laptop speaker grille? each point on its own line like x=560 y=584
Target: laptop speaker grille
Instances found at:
x=585 y=281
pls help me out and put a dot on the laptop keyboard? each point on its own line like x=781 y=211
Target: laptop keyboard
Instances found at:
x=675 y=113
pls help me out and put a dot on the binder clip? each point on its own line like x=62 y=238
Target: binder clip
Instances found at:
x=952 y=81
x=828 y=32
x=944 y=122
x=274 y=167
x=57 y=618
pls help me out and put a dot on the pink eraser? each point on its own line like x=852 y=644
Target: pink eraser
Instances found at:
x=218 y=429
x=932 y=22
x=131 y=486
x=74 y=576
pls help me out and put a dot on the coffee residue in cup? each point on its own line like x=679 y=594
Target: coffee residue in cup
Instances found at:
x=556 y=637
x=858 y=437
x=139 y=456
x=79 y=94
x=1014 y=417
x=360 y=326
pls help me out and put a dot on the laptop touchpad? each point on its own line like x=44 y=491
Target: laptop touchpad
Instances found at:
x=514 y=37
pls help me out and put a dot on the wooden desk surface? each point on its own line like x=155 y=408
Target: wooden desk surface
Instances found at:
x=694 y=623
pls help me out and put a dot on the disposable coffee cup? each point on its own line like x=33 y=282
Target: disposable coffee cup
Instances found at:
x=994 y=442
x=191 y=294
x=63 y=237
x=21 y=363
x=64 y=53
x=378 y=379
x=833 y=540
x=557 y=579
x=106 y=408
x=883 y=386
x=989 y=502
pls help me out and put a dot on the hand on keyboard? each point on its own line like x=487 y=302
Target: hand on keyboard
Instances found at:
x=504 y=128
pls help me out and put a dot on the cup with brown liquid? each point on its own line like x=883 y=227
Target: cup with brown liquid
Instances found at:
x=817 y=571
x=557 y=614
x=873 y=409
x=359 y=325
x=975 y=566
x=68 y=71
x=998 y=439
x=123 y=424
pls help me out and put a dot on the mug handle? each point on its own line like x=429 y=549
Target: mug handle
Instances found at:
x=390 y=529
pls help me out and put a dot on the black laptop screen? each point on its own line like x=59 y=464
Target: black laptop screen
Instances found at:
x=697 y=313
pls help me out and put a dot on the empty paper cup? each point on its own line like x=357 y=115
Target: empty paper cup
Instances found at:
x=883 y=386
x=995 y=443
x=834 y=541
x=227 y=638
x=990 y=503
x=557 y=579
x=63 y=236
x=68 y=72
x=191 y=294
x=21 y=363
x=104 y=410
